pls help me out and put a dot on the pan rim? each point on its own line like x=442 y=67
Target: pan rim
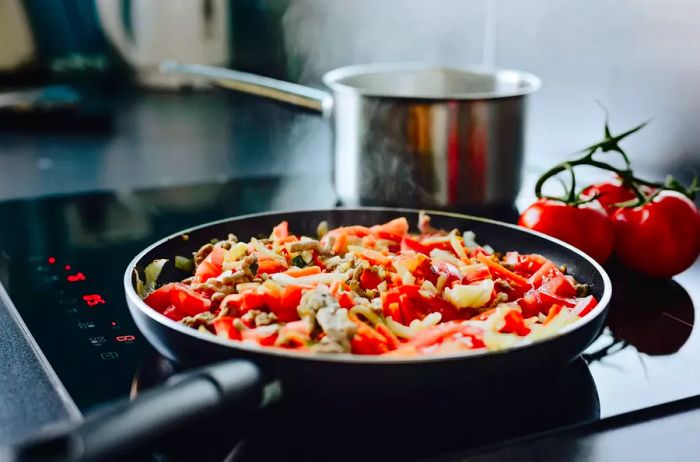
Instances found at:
x=348 y=358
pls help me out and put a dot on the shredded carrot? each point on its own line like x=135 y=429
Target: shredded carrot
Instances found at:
x=502 y=271
x=299 y=272
x=374 y=257
x=341 y=242
x=553 y=312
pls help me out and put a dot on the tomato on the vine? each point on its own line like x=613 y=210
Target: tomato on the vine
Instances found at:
x=609 y=194
x=660 y=238
x=585 y=226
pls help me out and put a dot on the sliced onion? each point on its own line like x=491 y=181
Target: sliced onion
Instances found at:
x=320 y=278
x=457 y=246
x=470 y=296
x=267 y=252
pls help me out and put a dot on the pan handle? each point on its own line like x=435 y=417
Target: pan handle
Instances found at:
x=287 y=92
x=128 y=426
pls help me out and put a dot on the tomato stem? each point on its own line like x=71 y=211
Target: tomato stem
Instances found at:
x=626 y=175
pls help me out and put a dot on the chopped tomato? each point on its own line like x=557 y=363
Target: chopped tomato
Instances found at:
x=280 y=231
x=585 y=305
x=173 y=313
x=161 y=298
x=408 y=243
x=397 y=227
x=284 y=305
x=524 y=264
x=182 y=297
x=476 y=273
x=515 y=324
x=345 y=300
x=368 y=341
x=369 y=280
x=211 y=266
x=558 y=284
x=242 y=303
x=263 y=335
x=448 y=332
x=223 y=326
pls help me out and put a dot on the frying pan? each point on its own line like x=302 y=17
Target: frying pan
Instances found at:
x=249 y=375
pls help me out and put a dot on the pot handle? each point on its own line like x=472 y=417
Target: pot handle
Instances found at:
x=287 y=92
x=121 y=429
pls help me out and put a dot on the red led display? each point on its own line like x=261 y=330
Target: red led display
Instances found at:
x=93 y=299
x=76 y=277
x=52 y=260
x=125 y=338
x=67 y=267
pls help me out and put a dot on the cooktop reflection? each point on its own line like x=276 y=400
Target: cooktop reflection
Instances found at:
x=62 y=261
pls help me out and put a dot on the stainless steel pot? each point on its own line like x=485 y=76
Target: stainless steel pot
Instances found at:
x=411 y=134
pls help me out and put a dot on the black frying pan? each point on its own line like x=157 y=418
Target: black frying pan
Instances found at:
x=245 y=371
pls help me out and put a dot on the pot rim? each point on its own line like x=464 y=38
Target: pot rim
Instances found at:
x=526 y=82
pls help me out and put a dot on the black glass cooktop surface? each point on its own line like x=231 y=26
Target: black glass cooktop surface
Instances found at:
x=62 y=261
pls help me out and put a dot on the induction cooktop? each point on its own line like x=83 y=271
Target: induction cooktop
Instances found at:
x=62 y=261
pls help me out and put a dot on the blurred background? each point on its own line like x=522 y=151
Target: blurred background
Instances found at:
x=83 y=107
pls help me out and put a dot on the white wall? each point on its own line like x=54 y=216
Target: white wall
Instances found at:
x=640 y=58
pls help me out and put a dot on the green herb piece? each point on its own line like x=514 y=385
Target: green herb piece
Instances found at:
x=298 y=261
x=184 y=264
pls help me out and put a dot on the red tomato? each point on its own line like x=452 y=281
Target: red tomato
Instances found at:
x=659 y=239
x=609 y=194
x=586 y=226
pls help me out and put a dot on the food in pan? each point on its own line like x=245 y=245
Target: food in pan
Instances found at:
x=377 y=290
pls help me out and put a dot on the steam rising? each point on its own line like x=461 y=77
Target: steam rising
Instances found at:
x=322 y=35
